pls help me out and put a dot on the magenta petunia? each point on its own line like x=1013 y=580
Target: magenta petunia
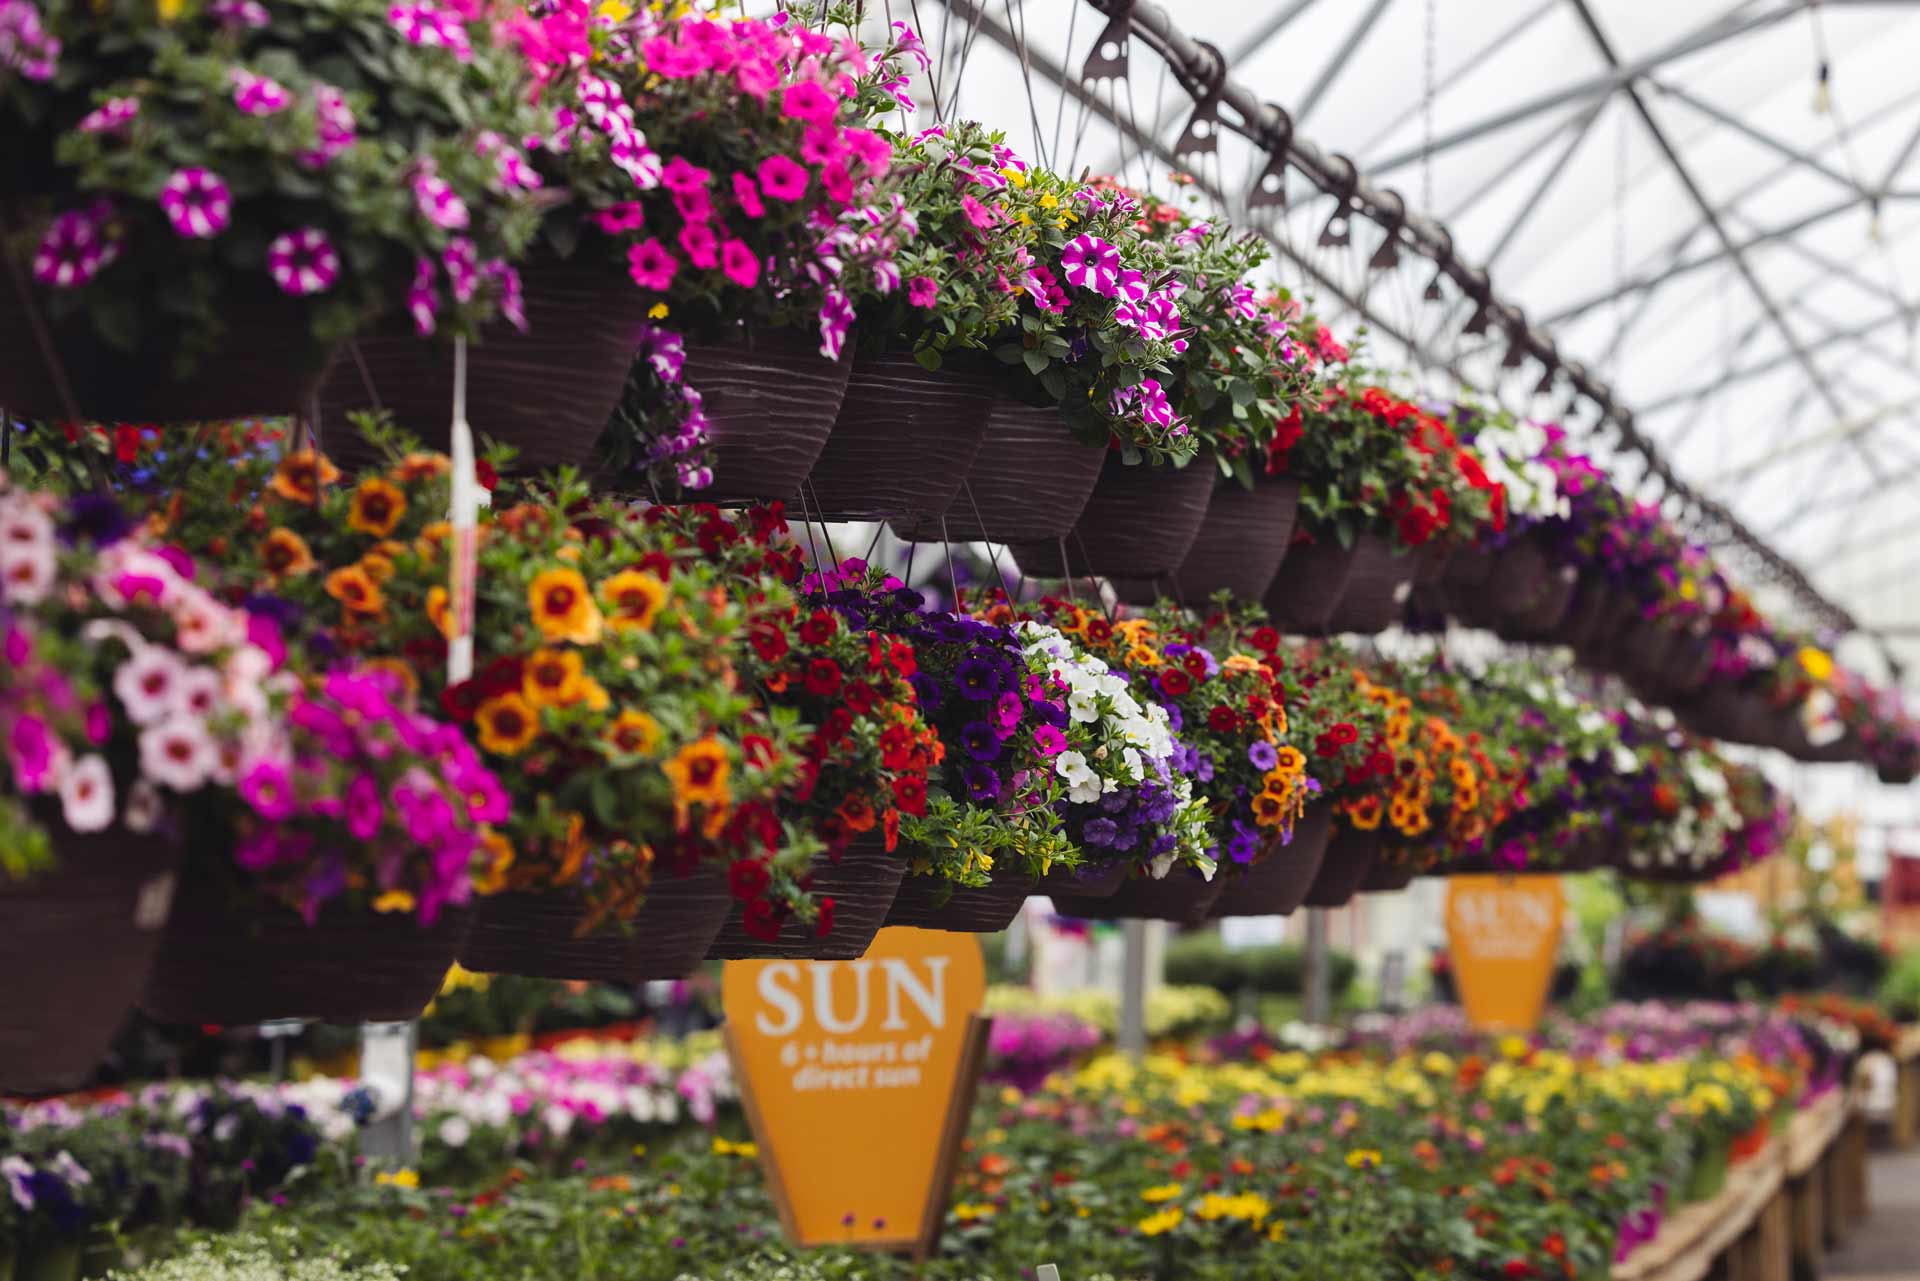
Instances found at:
x=423 y=304
x=693 y=204
x=197 y=203
x=922 y=291
x=75 y=247
x=334 y=119
x=257 y=95
x=303 y=262
x=682 y=176
x=820 y=144
x=268 y=788
x=461 y=260
x=740 y=264
x=747 y=196
x=651 y=265
x=628 y=215
x=836 y=182
x=981 y=216
x=240 y=14
x=110 y=116
x=509 y=294
x=700 y=245
x=1089 y=262
x=26 y=45
x=836 y=318
x=783 y=178
x=422 y=22
x=808 y=101
x=439 y=203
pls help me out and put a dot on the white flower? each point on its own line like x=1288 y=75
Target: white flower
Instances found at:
x=202 y=624
x=148 y=684
x=1624 y=761
x=1081 y=707
x=455 y=1131
x=69 y=1169
x=1130 y=761
x=86 y=795
x=178 y=753
x=26 y=574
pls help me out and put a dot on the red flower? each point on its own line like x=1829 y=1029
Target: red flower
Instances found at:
x=1175 y=682
x=900 y=654
x=126 y=443
x=1265 y=639
x=1555 y=1245
x=891 y=826
x=1326 y=745
x=910 y=793
x=859 y=696
x=767 y=521
x=758 y=749
x=1344 y=734
x=485 y=475
x=823 y=678
x=748 y=879
x=896 y=746
x=824 y=926
x=759 y=922
x=1223 y=719
x=1195 y=665
x=819 y=629
x=1099 y=630
x=1517 y=1268
x=769 y=642
x=838 y=725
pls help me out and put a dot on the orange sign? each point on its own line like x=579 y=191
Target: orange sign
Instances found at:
x=858 y=1077
x=1503 y=933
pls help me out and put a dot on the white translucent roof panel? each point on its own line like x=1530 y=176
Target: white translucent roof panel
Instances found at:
x=1778 y=375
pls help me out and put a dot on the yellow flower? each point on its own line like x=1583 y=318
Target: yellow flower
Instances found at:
x=1049 y=201
x=968 y=1212
x=499 y=859
x=722 y=1147
x=633 y=597
x=285 y=554
x=562 y=607
x=1015 y=177
x=438 y=611
x=635 y=733
x=1163 y=1192
x=657 y=312
x=1159 y=1224
x=431 y=539
x=508 y=725
x=553 y=678
x=379 y=566
x=397 y=1178
x=377 y=507
x=698 y=773
x=615 y=11
x=1363 y=1159
x=1816 y=663
x=415 y=468
x=356 y=591
x=394 y=901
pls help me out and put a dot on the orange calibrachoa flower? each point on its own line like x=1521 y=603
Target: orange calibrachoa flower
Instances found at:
x=698 y=773
x=356 y=591
x=301 y=476
x=554 y=678
x=415 y=468
x=377 y=507
x=634 y=733
x=563 y=608
x=440 y=611
x=283 y=554
x=633 y=599
x=507 y=724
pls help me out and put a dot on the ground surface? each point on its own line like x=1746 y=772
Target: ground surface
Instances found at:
x=1887 y=1246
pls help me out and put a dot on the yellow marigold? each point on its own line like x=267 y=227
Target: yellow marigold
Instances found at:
x=562 y=607
x=1160 y=1193
x=356 y=591
x=698 y=773
x=377 y=507
x=552 y=678
x=507 y=724
x=301 y=476
x=1159 y=1224
x=633 y=598
x=284 y=554
x=1363 y=1159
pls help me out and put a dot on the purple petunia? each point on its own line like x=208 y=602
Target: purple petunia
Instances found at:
x=981 y=740
x=983 y=784
x=425 y=23
x=75 y=247
x=922 y=291
x=197 y=202
x=1262 y=754
x=303 y=262
x=1089 y=262
x=1100 y=831
x=836 y=318
x=25 y=44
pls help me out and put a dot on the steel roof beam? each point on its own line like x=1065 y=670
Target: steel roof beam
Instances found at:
x=1473 y=63
x=1761 y=367
x=1267 y=30
x=1724 y=27
x=1767 y=140
x=1338 y=63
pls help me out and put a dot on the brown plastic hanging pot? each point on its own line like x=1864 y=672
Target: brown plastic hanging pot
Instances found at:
x=935 y=903
x=905 y=439
x=1030 y=480
x=533 y=932
x=1242 y=542
x=862 y=883
x=77 y=942
x=1377 y=587
x=1350 y=852
x=771 y=400
x=1093 y=879
x=1139 y=523
x=1278 y=883
x=231 y=965
x=1181 y=895
x=548 y=392
x=1308 y=586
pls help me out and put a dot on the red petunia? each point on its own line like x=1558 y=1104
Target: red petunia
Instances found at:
x=760 y=922
x=1265 y=639
x=1223 y=719
x=910 y=793
x=838 y=725
x=1344 y=734
x=1195 y=665
x=900 y=654
x=758 y=749
x=819 y=629
x=859 y=696
x=747 y=879
x=824 y=926
x=1175 y=682
x=823 y=678
x=769 y=642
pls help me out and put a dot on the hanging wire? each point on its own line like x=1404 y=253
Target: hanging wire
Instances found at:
x=1827 y=102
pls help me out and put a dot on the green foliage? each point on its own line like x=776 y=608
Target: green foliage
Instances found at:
x=1900 y=989
x=1202 y=960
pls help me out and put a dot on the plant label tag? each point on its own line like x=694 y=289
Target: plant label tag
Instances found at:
x=154 y=902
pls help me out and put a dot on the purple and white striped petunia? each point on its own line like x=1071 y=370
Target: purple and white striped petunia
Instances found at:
x=462 y=262
x=1131 y=285
x=239 y=13
x=422 y=22
x=506 y=279
x=422 y=302
x=303 y=262
x=509 y=165
x=1192 y=235
x=334 y=119
x=75 y=247
x=439 y=203
x=1089 y=262
x=836 y=318
x=25 y=44
x=197 y=203
x=1241 y=304
x=257 y=95
x=110 y=116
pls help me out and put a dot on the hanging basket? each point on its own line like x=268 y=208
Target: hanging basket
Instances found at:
x=1278 y=883
x=1350 y=852
x=1540 y=620
x=1139 y=524
x=76 y=943
x=905 y=438
x=267 y=365
x=1517 y=575
x=233 y=966
x=1689 y=666
x=532 y=933
x=548 y=392
x=771 y=400
x=1391 y=871
x=1100 y=879
x=1242 y=541
x=862 y=883
x=1181 y=895
x=1898 y=772
x=1030 y=480
x=1308 y=586
x=1582 y=618
x=1377 y=587
x=925 y=902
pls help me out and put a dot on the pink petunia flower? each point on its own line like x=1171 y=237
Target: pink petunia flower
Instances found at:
x=509 y=294
x=423 y=304
x=336 y=125
x=75 y=247
x=820 y=144
x=25 y=44
x=439 y=203
x=424 y=23
x=747 y=196
x=651 y=265
x=197 y=202
x=257 y=95
x=981 y=216
x=693 y=204
x=303 y=262
x=701 y=246
x=37 y=756
x=836 y=318
x=628 y=215
x=178 y=753
x=268 y=788
x=782 y=178
x=148 y=685
x=740 y=264
x=922 y=291
x=110 y=116
x=679 y=175
x=808 y=101
x=1089 y=262
x=240 y=14
x=461 y=261
x=86 y=795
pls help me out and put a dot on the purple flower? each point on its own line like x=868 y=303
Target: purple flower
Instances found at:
x=1100 y=831
x=439 y=203
x=197 y=203
x=664 y=350
x=509 y=165
x=1089 y=262
x=257 y=95
x=1048 y=740
x=335 y=122
x=303 y=262
x=34 y=753
x=365 y=810
x=75 y=247
x=836 y=318
x=25 y=45
x=110 y=116
x=510 y=296
x=978 y=679
x=462 y=263
x=982 y=784
x=1263 y=755
x=980 y=740
x=239 y=13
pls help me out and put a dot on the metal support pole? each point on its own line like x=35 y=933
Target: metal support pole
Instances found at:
x=386 y=1072
x=1318 y=985
x=1133 y=989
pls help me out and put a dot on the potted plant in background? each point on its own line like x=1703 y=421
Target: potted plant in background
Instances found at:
x=228 y=192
